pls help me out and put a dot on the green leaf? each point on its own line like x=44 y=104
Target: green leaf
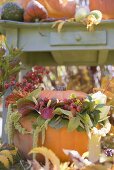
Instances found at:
x=39 y=122
x=103 y=119
x=60 y=111
x=15 y=70
x=74 y=123
x=99 y=106
x=72 y=96
x=96 y=118
x=80 y=129
x=104 y=112
x=87 y=120
x=88 y=130
x=43 y=135
x=89 y=98
x=57 y=124
x=34 y=94
x=96 y=112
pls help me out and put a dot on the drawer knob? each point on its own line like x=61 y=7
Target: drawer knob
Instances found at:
x=78 y=38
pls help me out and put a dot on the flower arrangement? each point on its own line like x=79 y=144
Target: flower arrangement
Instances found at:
x=88 y=113
x=74 y=111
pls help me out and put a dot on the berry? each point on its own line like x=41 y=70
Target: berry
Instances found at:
x=6 y=85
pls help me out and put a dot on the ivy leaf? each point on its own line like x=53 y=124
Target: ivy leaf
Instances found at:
x=74 y=123
x=60 y=111
x=25 y=106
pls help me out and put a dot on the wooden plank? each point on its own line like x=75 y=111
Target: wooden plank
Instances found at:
x=102 y=57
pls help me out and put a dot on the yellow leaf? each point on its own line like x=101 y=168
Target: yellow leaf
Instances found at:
x=94 y=167
x=55 y=23
x=13 y=152
x=4 y=160
x=50 y=155
x=8 y=154
x=60 y=26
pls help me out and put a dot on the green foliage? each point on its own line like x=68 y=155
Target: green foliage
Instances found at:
x=74 y=122
x=12 y=123
x=9 y=66
x=58 y=122
x=39 y=126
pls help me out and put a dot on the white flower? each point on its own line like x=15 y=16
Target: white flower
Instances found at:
x=99 y=98
x=103 y=131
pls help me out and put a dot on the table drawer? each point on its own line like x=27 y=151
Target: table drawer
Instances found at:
x=78 y=38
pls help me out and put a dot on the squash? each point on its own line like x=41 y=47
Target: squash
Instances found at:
x=55 y=8
x=61 y=95
x=105 y=6
x=12 y=11
x=35 y=11
x=56 y=139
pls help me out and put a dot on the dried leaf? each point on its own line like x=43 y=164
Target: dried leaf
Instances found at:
x=60 y=26
x=56 y=23
x=94 y=167
x=35 y=165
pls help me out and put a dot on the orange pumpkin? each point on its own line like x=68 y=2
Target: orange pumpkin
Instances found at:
x=105 y=6
x=55 y=8
x=35 y=10
x=56 y=139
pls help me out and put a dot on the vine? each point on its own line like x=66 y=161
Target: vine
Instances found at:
x=12 y=124
x=9 y=127
x=39 y=126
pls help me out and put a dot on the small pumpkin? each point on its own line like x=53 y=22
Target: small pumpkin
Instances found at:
x=55 y=8
x=105 y=6
x=55 y=139
x=35 y=11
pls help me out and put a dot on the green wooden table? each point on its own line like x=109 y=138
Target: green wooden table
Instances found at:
x=74 y=45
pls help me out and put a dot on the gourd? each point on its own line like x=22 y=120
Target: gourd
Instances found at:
x=55 y=139
x=35 y=11
x=12 y=11
x=105 y=6
x=55 y=8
